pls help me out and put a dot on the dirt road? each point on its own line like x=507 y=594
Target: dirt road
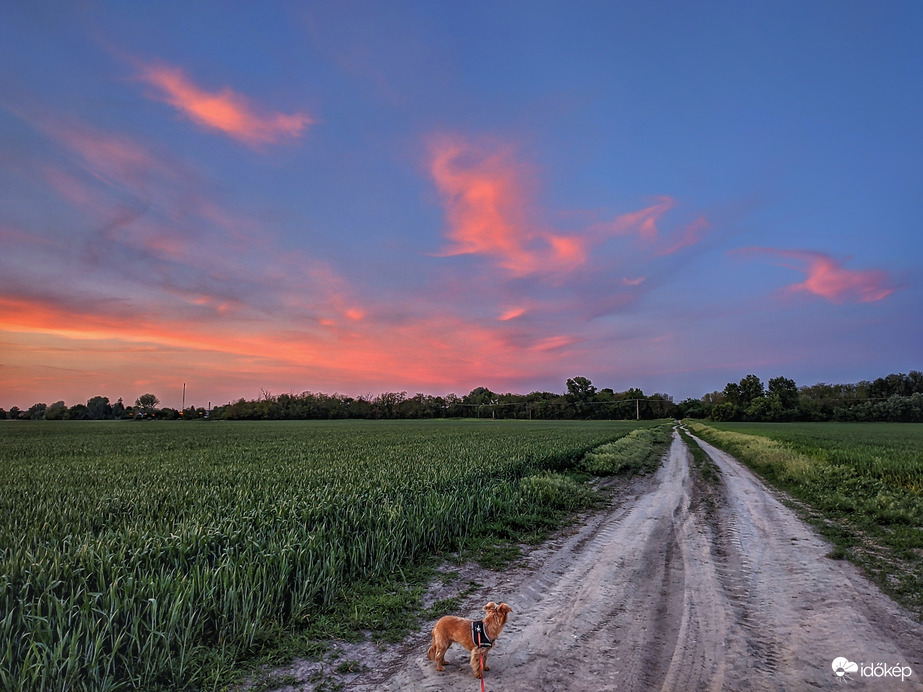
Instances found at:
x=681 y=585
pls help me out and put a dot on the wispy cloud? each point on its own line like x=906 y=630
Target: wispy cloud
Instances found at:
x=157 y=228
x=690 y=235
x=826 y=276
x=223 y=110
x=642 y=223
x=197 y=281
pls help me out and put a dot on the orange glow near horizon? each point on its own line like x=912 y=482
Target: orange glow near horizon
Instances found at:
x=207 y=293
x=439 y=351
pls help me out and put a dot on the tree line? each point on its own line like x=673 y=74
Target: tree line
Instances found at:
x=100 y=408
x=582 y=400
x=897 y=397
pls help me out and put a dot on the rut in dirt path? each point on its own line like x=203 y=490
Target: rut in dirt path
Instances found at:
x=687 y=587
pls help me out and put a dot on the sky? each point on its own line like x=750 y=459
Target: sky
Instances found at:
x=360 y=197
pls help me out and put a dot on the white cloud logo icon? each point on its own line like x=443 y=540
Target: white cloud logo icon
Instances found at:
x=841 y=666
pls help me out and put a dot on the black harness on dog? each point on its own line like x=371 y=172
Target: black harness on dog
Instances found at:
x=479 y=635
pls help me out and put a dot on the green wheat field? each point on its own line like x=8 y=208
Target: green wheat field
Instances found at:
x=140 y=555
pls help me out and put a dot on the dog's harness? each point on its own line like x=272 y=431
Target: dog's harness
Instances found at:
x=479 y=635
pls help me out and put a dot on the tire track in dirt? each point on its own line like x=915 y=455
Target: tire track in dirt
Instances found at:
x=680 y=585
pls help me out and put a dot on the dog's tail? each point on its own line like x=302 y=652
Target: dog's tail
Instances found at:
x=431 y=654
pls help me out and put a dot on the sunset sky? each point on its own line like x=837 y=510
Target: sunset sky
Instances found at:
x=434 y=196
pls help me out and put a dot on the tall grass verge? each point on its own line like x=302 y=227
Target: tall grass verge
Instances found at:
x=639 y=451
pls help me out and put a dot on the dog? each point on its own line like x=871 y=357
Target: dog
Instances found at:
x=455 y=630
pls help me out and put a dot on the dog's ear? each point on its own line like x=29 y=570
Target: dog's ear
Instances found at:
x=490 y=606
x=504 y=608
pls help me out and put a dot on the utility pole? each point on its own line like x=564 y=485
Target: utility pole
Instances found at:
x=184 y=397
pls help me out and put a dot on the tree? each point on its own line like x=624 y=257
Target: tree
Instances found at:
x=731 y=394
x=387 y=403
x=78 y=412
x=147 y=402
x=479 y=395
x=725 y=411
x=100 y=408
x=784 y=391
x=760 y=409
x=580 y=389
x=750 y=388
x=56 y=411
x=690 y=408
x=37 y=411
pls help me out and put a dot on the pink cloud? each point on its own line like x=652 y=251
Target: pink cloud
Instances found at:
x=491 y=212
x=224 y=110
x=512 y=314
x=826 y=277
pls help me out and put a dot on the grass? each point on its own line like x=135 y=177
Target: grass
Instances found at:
x=173 y=555
x=861 y=484
x=703 y=463
x=637 y=451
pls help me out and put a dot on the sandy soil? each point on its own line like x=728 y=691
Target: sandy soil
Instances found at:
x=678 y=585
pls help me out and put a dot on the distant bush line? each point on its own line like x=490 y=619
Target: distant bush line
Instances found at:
x=896 y=398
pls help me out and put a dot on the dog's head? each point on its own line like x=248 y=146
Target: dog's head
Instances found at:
x=498 y=612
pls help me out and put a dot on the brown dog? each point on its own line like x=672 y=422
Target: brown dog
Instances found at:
x=451 y=629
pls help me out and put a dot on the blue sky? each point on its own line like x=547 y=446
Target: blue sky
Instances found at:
x=361 y=197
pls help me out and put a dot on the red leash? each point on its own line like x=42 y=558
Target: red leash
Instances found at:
x=482 y=670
